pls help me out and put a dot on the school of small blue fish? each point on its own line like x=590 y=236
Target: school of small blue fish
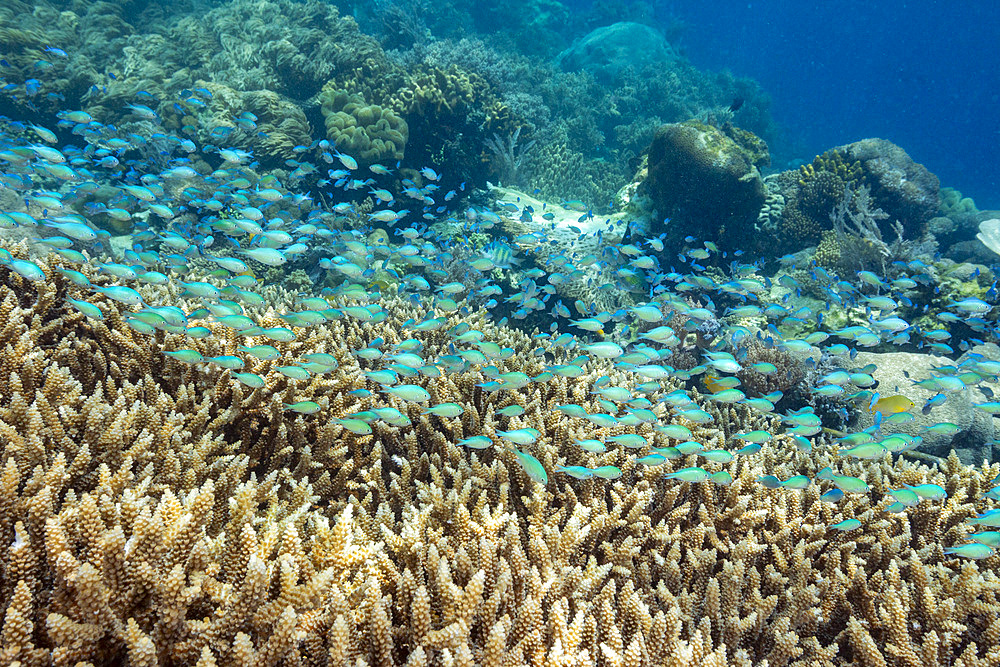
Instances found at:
x=207 y=233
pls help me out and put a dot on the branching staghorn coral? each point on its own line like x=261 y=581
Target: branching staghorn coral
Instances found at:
x=162 y=513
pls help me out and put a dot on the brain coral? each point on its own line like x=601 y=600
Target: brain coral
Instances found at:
x=158 y=513
x=368 y=132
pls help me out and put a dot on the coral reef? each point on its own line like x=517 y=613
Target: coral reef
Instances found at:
x=953 y=205
x=278 y=125
x=559 y=172
x=447 y=112
x=906 y=192
x=857 y=234
x=532 y=26
x=450 y=113
x=86 y=32
x=454 y=94
x=810 y=196
x=508 y=156
x=904 y=189
x=160 y=513
x=292 y=48
x=603 y=128
x=285 y=47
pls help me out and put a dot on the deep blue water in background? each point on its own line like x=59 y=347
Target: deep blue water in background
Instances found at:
x=923 y=74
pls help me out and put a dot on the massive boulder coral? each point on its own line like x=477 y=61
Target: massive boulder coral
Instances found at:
x=606 y=51
x=706 y=180
x=160 y=513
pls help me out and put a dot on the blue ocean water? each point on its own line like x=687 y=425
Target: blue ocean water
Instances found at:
x=922 y=74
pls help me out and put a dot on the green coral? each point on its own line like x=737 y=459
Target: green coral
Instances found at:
x=368 y=132
x=439 y=91
x=828 y=253
x=953 y=204
x=810 y=195
x=559 y=172
x=449 y=112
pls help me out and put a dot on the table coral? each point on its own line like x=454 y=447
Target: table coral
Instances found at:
x=163 y=514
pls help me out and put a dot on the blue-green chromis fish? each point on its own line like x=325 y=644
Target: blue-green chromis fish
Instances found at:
x=607 y=472
x=846 y=524
x=87 y=308
x=409 y=392
x=476 y=442
x=577 y=472
x=521 y=436
x=303 y=407
x=532 y=467
x=692 y=475
x=251 y=380
x=445 y=410
x=356 y=426
x=186 y=356
x=593 y=446
x=990 y=538
x=973 y=550
x=27 y=270
x=262 y=352
x=294 y=372
x=227 y=361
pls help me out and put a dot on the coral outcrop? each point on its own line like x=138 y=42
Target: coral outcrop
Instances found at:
x=905 y=191
x=706 y=180
x=606 y=51
x=903 y=188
